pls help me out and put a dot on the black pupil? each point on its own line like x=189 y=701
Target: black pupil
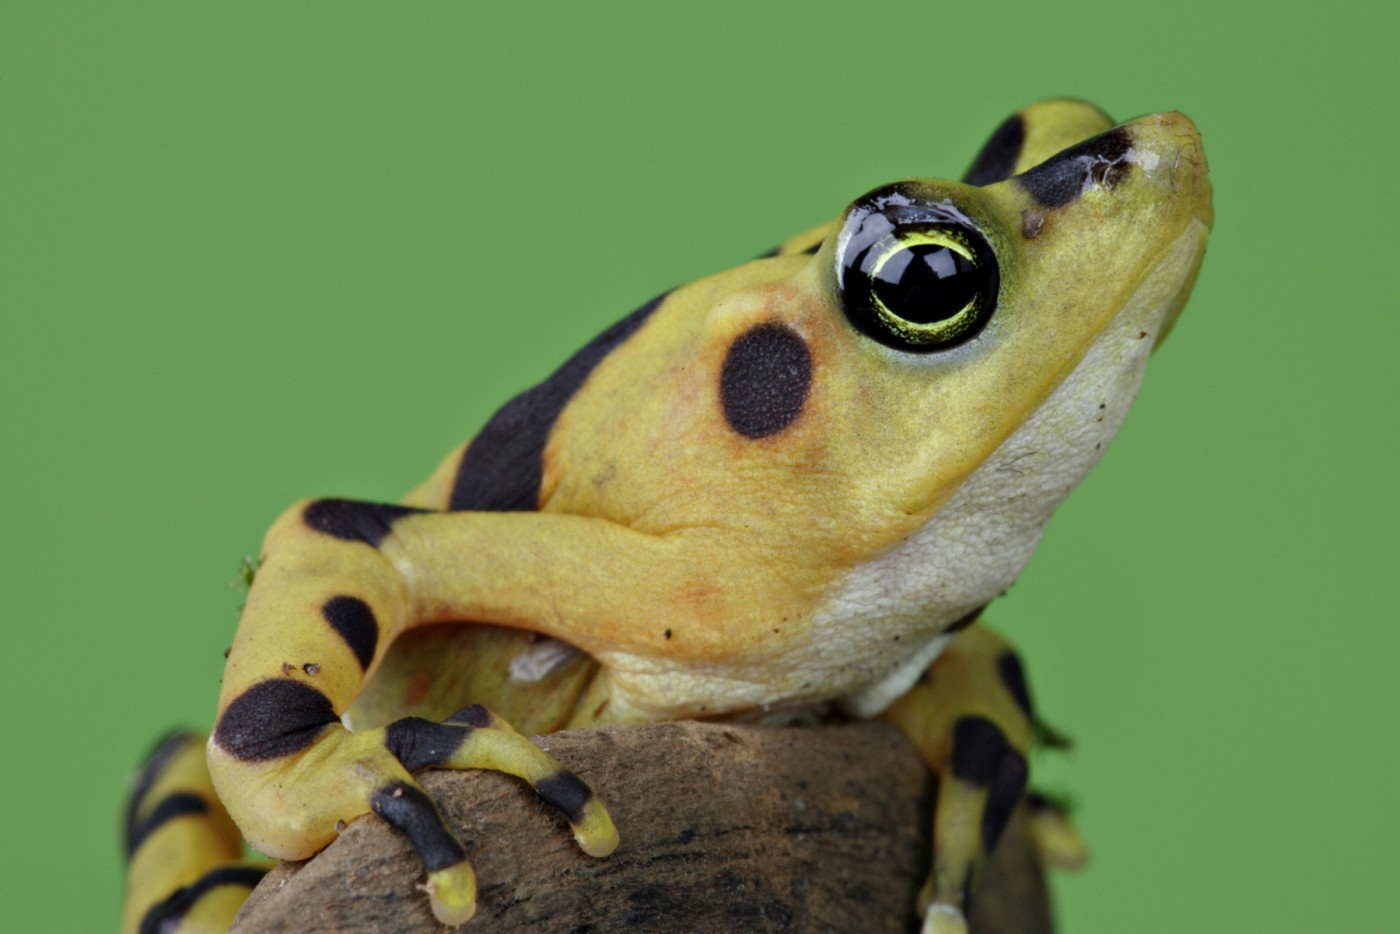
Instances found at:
x=925 y=283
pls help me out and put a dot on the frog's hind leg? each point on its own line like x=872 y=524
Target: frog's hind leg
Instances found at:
x=970 y=717
x=185 y=871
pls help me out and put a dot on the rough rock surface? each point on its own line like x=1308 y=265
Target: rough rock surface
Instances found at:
x=724 y=828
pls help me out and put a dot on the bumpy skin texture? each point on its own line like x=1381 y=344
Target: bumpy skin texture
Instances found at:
x=758 y=493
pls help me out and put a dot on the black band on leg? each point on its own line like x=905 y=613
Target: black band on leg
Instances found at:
x=159 y=757
x=567 y=792
x=273 y=719
x=475 y=715
x=978 y=744
x=172 y=806
x=414 y=815
x=1003 y=796
x=421 y=744
x=166 y=915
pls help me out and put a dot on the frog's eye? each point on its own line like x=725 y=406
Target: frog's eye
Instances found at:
x=915 y=278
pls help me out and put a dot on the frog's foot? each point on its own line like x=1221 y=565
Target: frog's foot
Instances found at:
x=475 y=738
x=185 y=857
x=1053 y=833
x=292 y=805
x=970 y=717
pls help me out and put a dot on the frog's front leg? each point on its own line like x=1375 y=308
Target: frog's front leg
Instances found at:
x=970 y=717
x=339 y=580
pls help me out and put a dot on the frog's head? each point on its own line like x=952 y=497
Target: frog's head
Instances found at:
x=1005 y=329
x=1005 y=326
x=883 y=414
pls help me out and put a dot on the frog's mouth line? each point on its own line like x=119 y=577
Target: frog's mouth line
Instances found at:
x=1200 y=229
x=1149 y=310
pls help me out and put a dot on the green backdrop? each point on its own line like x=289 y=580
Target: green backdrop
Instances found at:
x=254 y=252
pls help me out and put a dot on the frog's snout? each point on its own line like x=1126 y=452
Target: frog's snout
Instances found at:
x=1167 y=149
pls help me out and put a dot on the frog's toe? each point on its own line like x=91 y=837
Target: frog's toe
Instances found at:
x=944 y=919
x=475 y=738
x=292 y=804
x=452 y=893
x=1053 y=833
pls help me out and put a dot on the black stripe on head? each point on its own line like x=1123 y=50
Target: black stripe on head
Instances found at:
x=503 y=466
x=1013 y=676
x=765 y=380
x=172 y=806
x=421 y=744
x=273 y=719
x=354 y=521
x=352 y=618
x=567 y=792
x=814 y=248
x=1063 y=177
x=165 y=916
x=414 y=815
x=997 y=159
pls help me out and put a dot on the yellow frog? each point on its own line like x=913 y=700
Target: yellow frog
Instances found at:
x=789 y=487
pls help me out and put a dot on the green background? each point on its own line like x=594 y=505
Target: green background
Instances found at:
x=255 y=252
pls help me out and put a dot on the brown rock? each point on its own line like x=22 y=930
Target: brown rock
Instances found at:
x=724 y=828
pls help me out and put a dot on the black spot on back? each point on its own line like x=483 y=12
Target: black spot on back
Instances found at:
x=503 y=466
x=1013 y=676
x=415 y=816
x=172 y=806
x=1061 y=179
x=273 y=719
x=352 y=618
x=165 y=916
x=765 y=379
x=354 y=521
x=997 y=159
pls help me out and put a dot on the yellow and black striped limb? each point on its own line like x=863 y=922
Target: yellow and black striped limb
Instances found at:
x=186 y=873
x=339 y=582
x=970 y=717
x=341 y=775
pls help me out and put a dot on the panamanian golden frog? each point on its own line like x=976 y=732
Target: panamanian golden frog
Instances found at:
x=791 y=486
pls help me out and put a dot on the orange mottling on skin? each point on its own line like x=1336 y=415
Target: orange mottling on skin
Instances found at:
x=698 y=593
x=418 y=687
